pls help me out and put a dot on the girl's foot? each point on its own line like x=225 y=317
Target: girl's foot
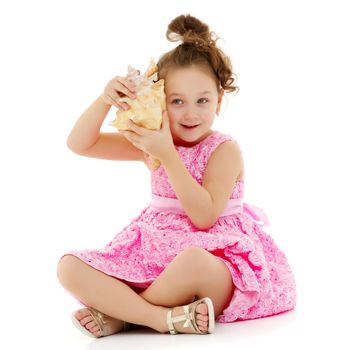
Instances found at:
x=202 y=319
x=87 y=321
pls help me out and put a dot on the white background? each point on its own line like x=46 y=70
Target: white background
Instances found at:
x=289 y=117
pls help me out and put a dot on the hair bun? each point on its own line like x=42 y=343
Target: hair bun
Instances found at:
x=197 y=47
x=191 y=31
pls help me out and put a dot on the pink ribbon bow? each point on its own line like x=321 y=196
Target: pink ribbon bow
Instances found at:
x=257 y=214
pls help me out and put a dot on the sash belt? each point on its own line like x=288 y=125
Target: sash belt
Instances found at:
x=234 y=206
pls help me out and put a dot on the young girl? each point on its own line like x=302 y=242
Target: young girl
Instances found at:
x=197 y=254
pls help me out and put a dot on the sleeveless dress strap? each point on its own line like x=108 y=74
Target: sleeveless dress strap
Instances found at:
x=211 y=143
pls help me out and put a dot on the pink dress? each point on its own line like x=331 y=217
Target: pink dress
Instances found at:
x=264 y=282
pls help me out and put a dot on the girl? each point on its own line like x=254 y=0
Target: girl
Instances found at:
x=197 y=254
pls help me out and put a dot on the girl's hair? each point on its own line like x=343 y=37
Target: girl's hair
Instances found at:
x=198 y=48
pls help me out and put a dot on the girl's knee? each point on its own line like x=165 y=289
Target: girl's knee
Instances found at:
x=67 y=270
x=194 y=252
x=208 y=267
x=195 y=261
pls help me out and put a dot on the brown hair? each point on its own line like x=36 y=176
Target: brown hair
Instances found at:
x=198 y=48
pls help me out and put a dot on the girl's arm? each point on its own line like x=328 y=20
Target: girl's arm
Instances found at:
x=204 y=203
x=86 y=130
x=195 y=199
x=86 y=139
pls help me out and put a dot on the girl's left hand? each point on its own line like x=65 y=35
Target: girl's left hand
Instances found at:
x=157 y=143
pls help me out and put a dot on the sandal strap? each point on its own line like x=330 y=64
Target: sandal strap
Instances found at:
x=192 y=310
x=101 y=319
x=188 y=317
x=171 y=328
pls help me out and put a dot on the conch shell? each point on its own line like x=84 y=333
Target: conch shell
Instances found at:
x=146 y=110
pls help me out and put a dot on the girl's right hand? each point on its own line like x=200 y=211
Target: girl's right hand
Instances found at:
x=115 y=89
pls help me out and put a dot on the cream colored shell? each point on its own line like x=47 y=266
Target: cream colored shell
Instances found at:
x=146 y=110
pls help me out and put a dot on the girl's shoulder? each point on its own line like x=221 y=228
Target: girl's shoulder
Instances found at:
x=219 y=138
x=215 y=139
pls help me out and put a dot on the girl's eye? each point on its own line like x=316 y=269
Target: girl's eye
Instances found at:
x=177 y=99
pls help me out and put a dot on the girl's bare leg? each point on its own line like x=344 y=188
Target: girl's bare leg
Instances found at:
x=182 y=280
x=193 y=274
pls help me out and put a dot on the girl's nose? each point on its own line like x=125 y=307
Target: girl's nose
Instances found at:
x=191 y=114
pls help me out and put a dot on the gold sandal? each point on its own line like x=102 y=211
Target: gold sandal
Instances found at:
x=102 y=321
x=190 y=317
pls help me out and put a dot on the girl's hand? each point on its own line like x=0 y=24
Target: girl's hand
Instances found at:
x=157 y=143
x=115 y=89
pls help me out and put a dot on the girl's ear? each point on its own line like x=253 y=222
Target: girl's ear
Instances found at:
x=221 y=94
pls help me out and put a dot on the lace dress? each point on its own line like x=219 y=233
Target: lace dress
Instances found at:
x=264 y=282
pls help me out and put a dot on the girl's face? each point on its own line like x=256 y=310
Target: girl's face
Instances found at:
x=192 y=100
